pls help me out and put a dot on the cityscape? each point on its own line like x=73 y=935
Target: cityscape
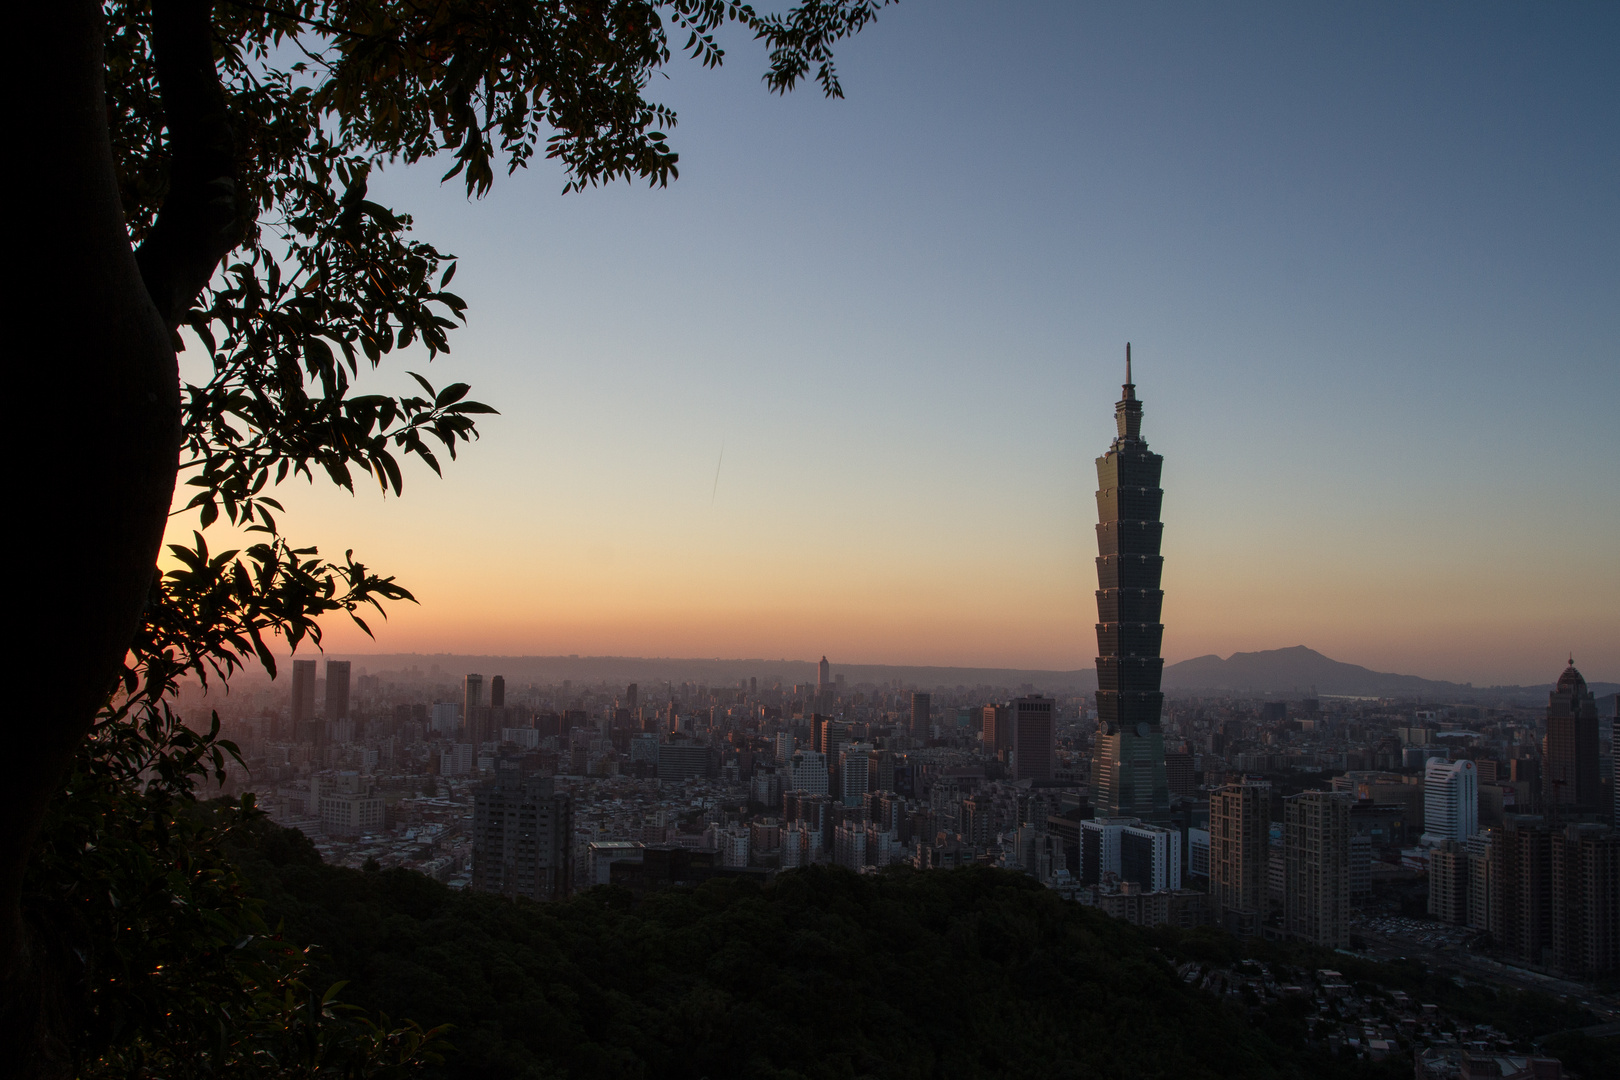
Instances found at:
x=1478 y=835
x=598 y=540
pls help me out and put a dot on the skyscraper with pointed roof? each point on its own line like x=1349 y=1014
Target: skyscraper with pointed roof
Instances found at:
x=1569 y=752
x=1127 y=768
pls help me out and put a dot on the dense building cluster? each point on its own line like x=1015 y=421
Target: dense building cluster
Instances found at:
x=1310 y=818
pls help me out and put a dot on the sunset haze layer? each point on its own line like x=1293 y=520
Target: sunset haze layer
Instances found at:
x=839 y=388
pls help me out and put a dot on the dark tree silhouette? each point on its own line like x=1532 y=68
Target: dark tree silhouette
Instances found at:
x=182 y=175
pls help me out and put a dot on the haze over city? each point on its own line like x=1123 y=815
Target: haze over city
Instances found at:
x=838 y=389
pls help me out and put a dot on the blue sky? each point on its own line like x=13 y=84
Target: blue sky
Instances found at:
x=1368 y=256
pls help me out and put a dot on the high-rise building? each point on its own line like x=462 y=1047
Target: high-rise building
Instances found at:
x=823 y=677
x=1032 y=737
x=337 y=690
x=1450 y=801
x=1450 y=876
x=1239 y=853
x=808 y=772
x=682 y=758
x=830 y=737
x=1555 y=894
x=854 y=772
x=1099 y=853
x=632 y=696
x=474 y=710
x=1150 y=856
x=302 y=712
x=919 y=715
x=497 y=692
x=445 y=718
x=1586 y=900
x=522 y=838
x=849 y=845
x=996 y=731
x=735 y=843
x=1479 y=879
x=1521 y=888
x=1128 y=776
x=793 y=848
x=1569 y=752
x=1178 y=772
x=1316 y=858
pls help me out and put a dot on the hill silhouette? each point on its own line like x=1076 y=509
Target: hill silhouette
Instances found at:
x=820 y=975
x=1297 y=669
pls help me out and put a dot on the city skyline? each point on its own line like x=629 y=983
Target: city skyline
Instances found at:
x=1368 y=255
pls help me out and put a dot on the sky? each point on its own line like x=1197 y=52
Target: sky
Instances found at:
x=839 y=389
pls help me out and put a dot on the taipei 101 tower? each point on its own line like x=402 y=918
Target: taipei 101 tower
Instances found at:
x=1127 y=765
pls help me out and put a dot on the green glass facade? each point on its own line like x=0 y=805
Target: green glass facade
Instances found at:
x=1128 y=778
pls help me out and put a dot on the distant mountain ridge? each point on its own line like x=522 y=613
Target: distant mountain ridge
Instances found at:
x=1298 y=670
x=1291 y=672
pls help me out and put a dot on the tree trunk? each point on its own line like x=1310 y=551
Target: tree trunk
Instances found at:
x=99 y=419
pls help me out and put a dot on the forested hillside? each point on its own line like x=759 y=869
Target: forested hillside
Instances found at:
x=824 y=974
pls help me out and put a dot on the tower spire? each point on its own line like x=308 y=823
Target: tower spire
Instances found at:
x=1128 y=411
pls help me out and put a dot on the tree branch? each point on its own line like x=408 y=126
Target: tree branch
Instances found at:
x=202 y=217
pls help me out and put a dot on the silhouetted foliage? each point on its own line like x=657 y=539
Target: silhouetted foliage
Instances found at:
x=823 y=974
x=219 y=156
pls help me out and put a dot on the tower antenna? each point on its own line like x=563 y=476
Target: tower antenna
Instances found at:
x=1127 y=363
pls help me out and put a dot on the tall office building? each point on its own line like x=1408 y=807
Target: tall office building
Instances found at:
x=1239 y=854
x=829 y=737
x=497 y=692
x=1316 y=860
x=1127 y=768
x=522 y=838
x=854 y=773
x=337 y=690
x=1569 y=752
x=1450 y=801
x=919 y=715
x=302 y=712
x=474 y=710
x=823 y=677
x=1032 y=738
x=996 y=731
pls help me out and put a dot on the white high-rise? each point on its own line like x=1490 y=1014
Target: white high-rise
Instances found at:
x=1450 y=801
x=808 y=769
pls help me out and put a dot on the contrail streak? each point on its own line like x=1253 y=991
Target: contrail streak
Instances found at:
x=717 y=464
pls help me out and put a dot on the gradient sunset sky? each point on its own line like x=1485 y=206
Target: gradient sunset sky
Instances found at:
x=1368 y=256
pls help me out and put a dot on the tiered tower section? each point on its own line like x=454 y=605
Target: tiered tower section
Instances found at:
x=1128 y=763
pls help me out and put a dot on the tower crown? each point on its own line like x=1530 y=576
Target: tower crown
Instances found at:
x=1128 y=412
x=1571 y=679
